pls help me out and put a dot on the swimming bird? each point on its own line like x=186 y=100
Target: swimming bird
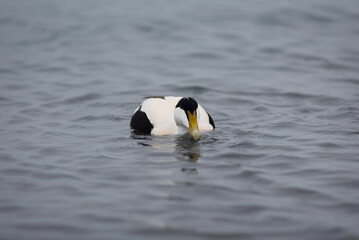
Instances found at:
x=171 y=115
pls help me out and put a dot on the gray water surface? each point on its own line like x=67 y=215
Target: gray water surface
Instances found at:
x=280 y=79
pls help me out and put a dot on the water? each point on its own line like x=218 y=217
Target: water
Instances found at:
x=280 y=80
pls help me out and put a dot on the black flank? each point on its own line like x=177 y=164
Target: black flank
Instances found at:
x=211 y=121
x=140 y=122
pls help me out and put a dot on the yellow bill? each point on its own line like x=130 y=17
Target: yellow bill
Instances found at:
x=193 y=126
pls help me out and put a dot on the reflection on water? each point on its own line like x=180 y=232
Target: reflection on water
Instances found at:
x=187 y=148
x=184 y=146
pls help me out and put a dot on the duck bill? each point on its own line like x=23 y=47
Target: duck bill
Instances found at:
x=193 y=126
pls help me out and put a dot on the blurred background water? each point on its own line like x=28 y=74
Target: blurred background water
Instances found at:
x=280 y=79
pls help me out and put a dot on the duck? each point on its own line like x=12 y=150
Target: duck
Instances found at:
x=167 y=115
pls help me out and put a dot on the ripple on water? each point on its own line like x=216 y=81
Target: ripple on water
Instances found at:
x=7 y=158
x=256 y=134
x=91 y=118
x=192 y=89
x=304 y=193
x=56 y=228
x=205 y=56
x=354 y=81
x=81 y=99
x=349 y=112
x=244 y=145
x=238 y=156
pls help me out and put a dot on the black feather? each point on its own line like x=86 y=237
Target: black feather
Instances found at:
x=140 y=122
x=211 y=121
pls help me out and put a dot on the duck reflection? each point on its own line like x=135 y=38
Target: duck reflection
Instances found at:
x=184 y=147
x=187 y=149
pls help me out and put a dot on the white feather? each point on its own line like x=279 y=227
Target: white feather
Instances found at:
x=203 y=119
x=181 y=117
